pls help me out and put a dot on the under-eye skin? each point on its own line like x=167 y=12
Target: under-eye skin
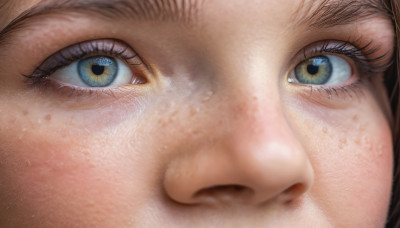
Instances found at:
x=91 y=64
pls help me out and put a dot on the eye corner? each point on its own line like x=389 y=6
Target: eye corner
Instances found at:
x=290 y=80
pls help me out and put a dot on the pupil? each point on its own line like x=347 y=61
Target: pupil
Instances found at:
x=312 y=69
x=98 y=70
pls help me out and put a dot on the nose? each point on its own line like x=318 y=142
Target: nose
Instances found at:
x=251 y=156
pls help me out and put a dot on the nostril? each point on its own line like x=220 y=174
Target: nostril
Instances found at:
x=293 y=192
x=234 y=189
x=224 y=193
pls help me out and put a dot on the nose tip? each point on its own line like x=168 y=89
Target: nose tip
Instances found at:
x=253 y=157
x=277 y=174
x=280 y=172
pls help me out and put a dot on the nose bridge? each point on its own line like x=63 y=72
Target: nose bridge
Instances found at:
x=251 y=94
x=257 y=112
x=261 y=143
x=253 y=155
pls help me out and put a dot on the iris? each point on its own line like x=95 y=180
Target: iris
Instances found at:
x=98 y=71
x=316 y=70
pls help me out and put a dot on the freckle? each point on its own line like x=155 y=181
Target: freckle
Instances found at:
x=355 y=118
x=162 y=123
x=325 y=130
x=362 y=127
x=194 y=111
x=357 y=141
x=47 y=117
x=25 y=112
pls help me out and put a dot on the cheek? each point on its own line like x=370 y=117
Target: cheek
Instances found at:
x=352 y=159
x=60 y=168
x=53 y=172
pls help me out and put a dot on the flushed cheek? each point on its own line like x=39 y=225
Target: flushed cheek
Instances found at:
x=51 y=177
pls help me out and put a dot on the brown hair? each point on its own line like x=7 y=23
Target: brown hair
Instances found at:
x=392 y=83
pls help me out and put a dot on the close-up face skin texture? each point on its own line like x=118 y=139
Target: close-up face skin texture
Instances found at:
x=195 y=113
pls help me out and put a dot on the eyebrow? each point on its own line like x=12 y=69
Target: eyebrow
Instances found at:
x=330 y=13
x=183 y=11
x=316 y=14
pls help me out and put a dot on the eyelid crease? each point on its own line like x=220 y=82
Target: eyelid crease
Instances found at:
x=75 y=52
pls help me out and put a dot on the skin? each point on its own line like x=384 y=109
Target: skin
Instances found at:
x=218 y=137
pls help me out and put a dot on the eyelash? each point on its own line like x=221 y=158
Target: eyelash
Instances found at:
x=41 y=81
x=361 y=55
x=358 y=53
x=68 y=55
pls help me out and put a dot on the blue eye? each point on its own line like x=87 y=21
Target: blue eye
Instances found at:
x=96 y=71
x=321 y=70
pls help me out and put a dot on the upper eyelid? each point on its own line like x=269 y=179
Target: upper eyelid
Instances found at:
x=366 y=56
x=330 y=46
x=75 y=52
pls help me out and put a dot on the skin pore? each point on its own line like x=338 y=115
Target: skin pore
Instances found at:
x=212 y=129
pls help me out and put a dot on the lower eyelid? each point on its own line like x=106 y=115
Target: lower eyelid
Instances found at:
x=69 y=97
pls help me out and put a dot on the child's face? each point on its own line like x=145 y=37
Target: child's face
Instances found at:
x=238 y=114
